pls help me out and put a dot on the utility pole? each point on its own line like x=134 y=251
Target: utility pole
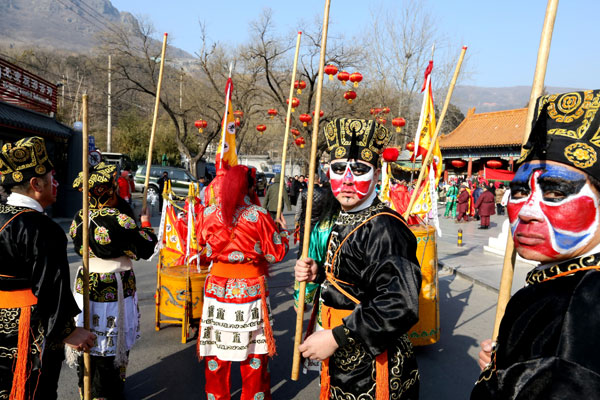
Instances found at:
x=109 y=117
x=181 y=90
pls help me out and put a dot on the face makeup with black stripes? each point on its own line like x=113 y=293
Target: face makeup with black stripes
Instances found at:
x=352 y=181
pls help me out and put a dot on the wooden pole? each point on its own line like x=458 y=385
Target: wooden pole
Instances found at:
x=87 y=361
x=288 y=121
x=537 y=88
x=154 y=122
x=309 y=195
x=438 y=127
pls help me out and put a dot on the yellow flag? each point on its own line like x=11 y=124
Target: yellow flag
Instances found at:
x=425 y=131
x=226 y=153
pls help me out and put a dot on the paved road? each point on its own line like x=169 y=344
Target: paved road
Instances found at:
x=163 y=368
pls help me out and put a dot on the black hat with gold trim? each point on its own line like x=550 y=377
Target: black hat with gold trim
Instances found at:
x=103 y=183
x=566 y=129
x=356 y=139
x=22 y=160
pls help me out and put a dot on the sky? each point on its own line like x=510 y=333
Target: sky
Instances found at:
x=502 y=36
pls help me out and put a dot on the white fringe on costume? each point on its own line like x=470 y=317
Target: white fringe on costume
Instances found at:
x=116 y=324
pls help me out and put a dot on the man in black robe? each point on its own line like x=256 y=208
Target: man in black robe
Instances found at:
x=547 y=343
x=35 y=293
x=371 y=278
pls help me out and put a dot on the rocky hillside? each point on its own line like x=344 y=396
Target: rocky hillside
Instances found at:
x=486 y=99
x=66 y=25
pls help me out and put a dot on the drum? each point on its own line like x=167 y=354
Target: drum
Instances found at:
x=427 y=330
x=173 y=291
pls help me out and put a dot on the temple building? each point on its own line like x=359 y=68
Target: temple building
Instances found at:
x=485 y=145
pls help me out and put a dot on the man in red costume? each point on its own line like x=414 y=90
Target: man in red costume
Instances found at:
x=241 y=240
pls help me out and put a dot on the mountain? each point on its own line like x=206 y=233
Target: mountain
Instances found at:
x=65 y=25
x=486 y=99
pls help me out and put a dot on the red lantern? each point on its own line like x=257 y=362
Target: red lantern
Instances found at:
x=410 y=146
x=494 y=164
x=300 y=142
x=272 y=112
x=343 y=77
x=299 y=85
x=349 y=95
x=331 y=70
x=238 y=114
x=305 y=119
x=356 y=77
x=458 y=163
x=372 y=111
x=385 y=110
x=261 y=128
x=295 y=132
x=390 y=154
x=200 y=124
x=295 y=103
x=398 y=123
x=321 y=113
x=382 y=121
x=377 y=111
x=238 y=122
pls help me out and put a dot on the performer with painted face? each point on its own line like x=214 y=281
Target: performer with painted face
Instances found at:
x=36 y=304
x=370 y=278
x=547 y=345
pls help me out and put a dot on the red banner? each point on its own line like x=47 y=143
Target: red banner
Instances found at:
x=25 y=89
x=498 y=174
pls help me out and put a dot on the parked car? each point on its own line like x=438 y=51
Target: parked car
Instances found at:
x=120 y=159
x=180 y=179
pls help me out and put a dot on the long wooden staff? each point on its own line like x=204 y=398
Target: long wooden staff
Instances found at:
x=309 y=194
x=87 y=360
x=288 y=122
x=154 y=122
x=537 y=88
x=438 y=127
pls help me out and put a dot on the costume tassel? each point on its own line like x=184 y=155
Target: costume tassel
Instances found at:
x=325 y=380
x=382 y=388
x=21 y=372
x=267 y=323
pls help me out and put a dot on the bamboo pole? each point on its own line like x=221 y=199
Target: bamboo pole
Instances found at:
x=537 y=88
x=154 y=122
x=87 y=360
x=309 y=195
x=438 y=127
x=288 y=122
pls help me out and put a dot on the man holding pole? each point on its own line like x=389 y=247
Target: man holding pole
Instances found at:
x=546 y=346
x=370 y=279
x=36 y=304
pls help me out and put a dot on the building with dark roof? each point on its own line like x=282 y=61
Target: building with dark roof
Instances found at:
x=490 y=140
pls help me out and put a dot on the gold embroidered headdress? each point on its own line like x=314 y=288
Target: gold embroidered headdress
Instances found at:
x=357 y=139
x=566 y=129
x=102 y=183
x=24 y=159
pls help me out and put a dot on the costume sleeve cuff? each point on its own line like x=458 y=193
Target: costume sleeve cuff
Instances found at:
x=341 y=335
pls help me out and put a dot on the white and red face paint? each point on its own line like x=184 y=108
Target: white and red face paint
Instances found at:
x=54 y=184
x=349 y=182
x=552 y=227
